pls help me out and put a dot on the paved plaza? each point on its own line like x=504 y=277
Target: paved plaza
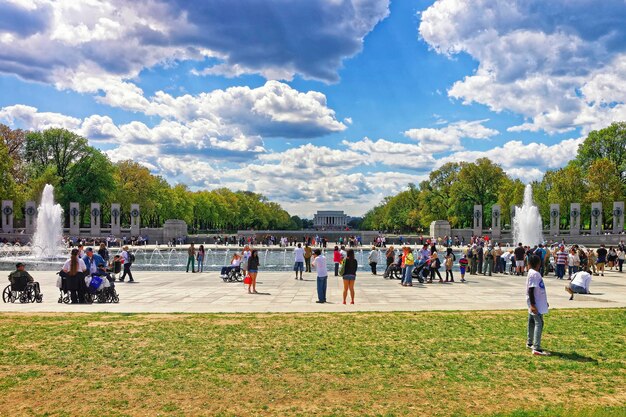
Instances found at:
x=168 y=292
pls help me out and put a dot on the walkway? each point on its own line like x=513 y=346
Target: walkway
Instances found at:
x=162 y=292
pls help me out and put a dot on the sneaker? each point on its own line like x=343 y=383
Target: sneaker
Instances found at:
x=529 y=345
x=540 y=352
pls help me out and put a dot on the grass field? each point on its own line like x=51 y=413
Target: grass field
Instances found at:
x=387 y=364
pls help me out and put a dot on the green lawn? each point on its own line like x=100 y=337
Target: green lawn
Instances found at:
x=387 y=364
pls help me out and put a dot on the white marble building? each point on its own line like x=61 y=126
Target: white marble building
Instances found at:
x=330 y=220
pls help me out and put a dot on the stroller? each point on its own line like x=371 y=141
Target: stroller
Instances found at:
x=421 y=271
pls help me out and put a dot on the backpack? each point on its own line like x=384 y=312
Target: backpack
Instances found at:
x=131 y=256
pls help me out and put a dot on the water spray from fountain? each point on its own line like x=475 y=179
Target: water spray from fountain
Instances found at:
x=49 y=233
x=527 y=225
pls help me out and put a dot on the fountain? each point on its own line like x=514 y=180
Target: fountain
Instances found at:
x=527 y=226
x=49 y=231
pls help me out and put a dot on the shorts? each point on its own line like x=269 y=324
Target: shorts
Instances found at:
x=600 y=264
x=519 y=264
x=298 y=266
x=349 y=277
x=462 y=268
x=577 y=289
x=253 y=271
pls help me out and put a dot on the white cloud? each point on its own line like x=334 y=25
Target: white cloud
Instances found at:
x=523 y=160
x=552 y=62
x=65 y=42
x=448 y=138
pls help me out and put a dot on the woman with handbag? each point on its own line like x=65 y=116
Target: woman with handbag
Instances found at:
x=253 y=270
x=349 y=267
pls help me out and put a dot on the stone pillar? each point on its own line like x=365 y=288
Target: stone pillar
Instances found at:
x=116 y=214
x=95 y=219
x=618 y=216
x=7 y=216
x=555 y=219
x=135 y=220
x=496 y=219
x=478 y=220
x=596 y=218
x=31 y=216
x=574 y=219
x=74 y=219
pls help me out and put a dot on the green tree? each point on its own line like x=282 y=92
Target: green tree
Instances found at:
x=89 y=180
x=58 y=147
x=604 y=187
x=8 y=188
x=511 y=193
x=478 y=183
x=608 y=143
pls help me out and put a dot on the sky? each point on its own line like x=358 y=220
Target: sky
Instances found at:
x=317 y=104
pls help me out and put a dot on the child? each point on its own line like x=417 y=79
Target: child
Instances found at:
x=450 y=258
x=537 y=301
x=115 y=267
x=463 y=263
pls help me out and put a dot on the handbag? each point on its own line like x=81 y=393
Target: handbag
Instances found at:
x=247 y=279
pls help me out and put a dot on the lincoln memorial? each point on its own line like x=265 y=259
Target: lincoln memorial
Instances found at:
x=328 y=220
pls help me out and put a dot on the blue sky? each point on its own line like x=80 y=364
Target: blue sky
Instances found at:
x=324 y=104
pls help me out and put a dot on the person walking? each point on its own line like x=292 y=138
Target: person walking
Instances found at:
x=349 y=275
x=337 y=260
x=308 y=252
x=245 y=255
x=520 y=255
x=372 y=258
x=319 y=262
x=200 y=258
x=298 y=265
x=537 y=301
x=449 y=263
x=253 y=270
x=435 y=264
x=602 y=255
x=488 y=263
x=561 y=261
x=409 y=264
x=621 y=255
x=127 y=262
x=191 y=258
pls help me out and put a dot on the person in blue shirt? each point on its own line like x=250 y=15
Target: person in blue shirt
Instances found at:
x=92 y=260
x=541 y=253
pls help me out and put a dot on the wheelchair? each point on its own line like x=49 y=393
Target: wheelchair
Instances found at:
x=23 y=291
x=103 y=294
x=233 y=274
x=393 y=271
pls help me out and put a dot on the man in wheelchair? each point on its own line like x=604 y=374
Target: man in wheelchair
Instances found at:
x=22 y=281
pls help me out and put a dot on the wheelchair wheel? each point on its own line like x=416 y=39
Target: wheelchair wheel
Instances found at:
x=238 y=277
x=396 y=273
x=89 y=298
x=39 y=298
x=115 y=298
x=7 y=295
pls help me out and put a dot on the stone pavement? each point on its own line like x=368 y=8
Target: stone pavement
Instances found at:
x=165 y=292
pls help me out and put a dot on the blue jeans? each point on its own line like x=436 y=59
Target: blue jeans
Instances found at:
x=572 y=270
x=560 y=271
x=577 y=289
x=535 y=328
x=408 y=274
x=321 y=288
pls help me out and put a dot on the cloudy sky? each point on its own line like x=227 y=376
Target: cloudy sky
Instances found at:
x=318 y=104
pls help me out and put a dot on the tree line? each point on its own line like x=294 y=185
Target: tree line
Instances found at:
x=596 y=174
x=81 y=173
